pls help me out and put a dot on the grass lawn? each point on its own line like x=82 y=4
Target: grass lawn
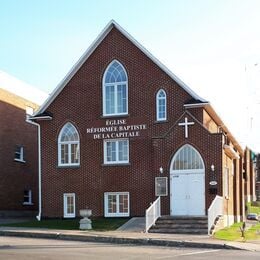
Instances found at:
x=233 y=233
x=98 y=224
x=253 y=209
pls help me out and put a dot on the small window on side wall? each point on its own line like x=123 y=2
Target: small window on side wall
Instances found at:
x=161 y=105
x=19 y=154
x=27 y=197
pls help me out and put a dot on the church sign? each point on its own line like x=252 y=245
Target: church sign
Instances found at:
x=118 y=128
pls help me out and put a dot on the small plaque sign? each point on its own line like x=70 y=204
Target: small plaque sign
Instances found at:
x=213 y=183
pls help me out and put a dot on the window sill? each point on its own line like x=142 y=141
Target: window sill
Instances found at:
x=117 y=215
x=116 y=115
x=28 y=204
x=115 y=164
x=20 y=161
x=68 y=166
x=69 y=216
x=161 y=121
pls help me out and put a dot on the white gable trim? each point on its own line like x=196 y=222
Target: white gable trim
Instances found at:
x=91 y=49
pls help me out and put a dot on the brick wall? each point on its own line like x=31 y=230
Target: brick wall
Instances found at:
x=16 y=176
x=80 y=102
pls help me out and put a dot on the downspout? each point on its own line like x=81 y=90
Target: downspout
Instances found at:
x=38 y=217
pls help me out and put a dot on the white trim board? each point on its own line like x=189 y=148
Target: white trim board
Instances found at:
x=112 y=24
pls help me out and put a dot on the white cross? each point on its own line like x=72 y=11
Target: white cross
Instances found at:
x=186 y=124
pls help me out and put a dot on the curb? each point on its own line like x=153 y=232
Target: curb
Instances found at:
x=117 y=240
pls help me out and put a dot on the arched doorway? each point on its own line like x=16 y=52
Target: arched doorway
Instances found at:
x=187 y=183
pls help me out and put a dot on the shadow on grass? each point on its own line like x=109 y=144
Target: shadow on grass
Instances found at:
x=98 y=224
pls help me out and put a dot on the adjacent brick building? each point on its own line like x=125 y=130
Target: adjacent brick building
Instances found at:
x=121 y=129
x=18 y=150
x=18 y=156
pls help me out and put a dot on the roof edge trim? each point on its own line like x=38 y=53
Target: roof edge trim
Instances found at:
x=196 y=105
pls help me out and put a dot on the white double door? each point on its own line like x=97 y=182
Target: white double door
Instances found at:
x=188 y=193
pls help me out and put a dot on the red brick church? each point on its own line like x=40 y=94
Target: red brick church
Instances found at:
x=121 y=130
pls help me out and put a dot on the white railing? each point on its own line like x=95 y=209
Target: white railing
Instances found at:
x=152 y=214
x=215 y=210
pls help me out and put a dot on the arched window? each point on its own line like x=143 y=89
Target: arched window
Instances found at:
x=187 y=158
x=161 y=108
x=68 y=146
x=115 y=92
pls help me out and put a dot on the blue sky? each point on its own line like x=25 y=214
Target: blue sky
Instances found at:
x=206 y=43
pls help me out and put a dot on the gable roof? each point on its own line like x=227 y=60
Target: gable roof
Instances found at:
x=112 y=24
x=21 y=89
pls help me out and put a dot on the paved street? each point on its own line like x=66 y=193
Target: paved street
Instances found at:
x=26 y=248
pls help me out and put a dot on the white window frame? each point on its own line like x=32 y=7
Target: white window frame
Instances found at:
x=69 y=143
x=29 y=196
x=20 y=153
x=104 y=85
x=117 y=214
x=158 y=118
x=65 y=205
x=117 y=151
x=187 y=151
x=156 y=186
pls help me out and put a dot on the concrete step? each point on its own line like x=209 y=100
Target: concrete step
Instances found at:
x=184 y=218
x=191 y=221
x=181 y=225
x=179 y=231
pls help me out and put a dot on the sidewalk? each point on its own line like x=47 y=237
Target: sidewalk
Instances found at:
x=124 y=237
x=132 y=232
